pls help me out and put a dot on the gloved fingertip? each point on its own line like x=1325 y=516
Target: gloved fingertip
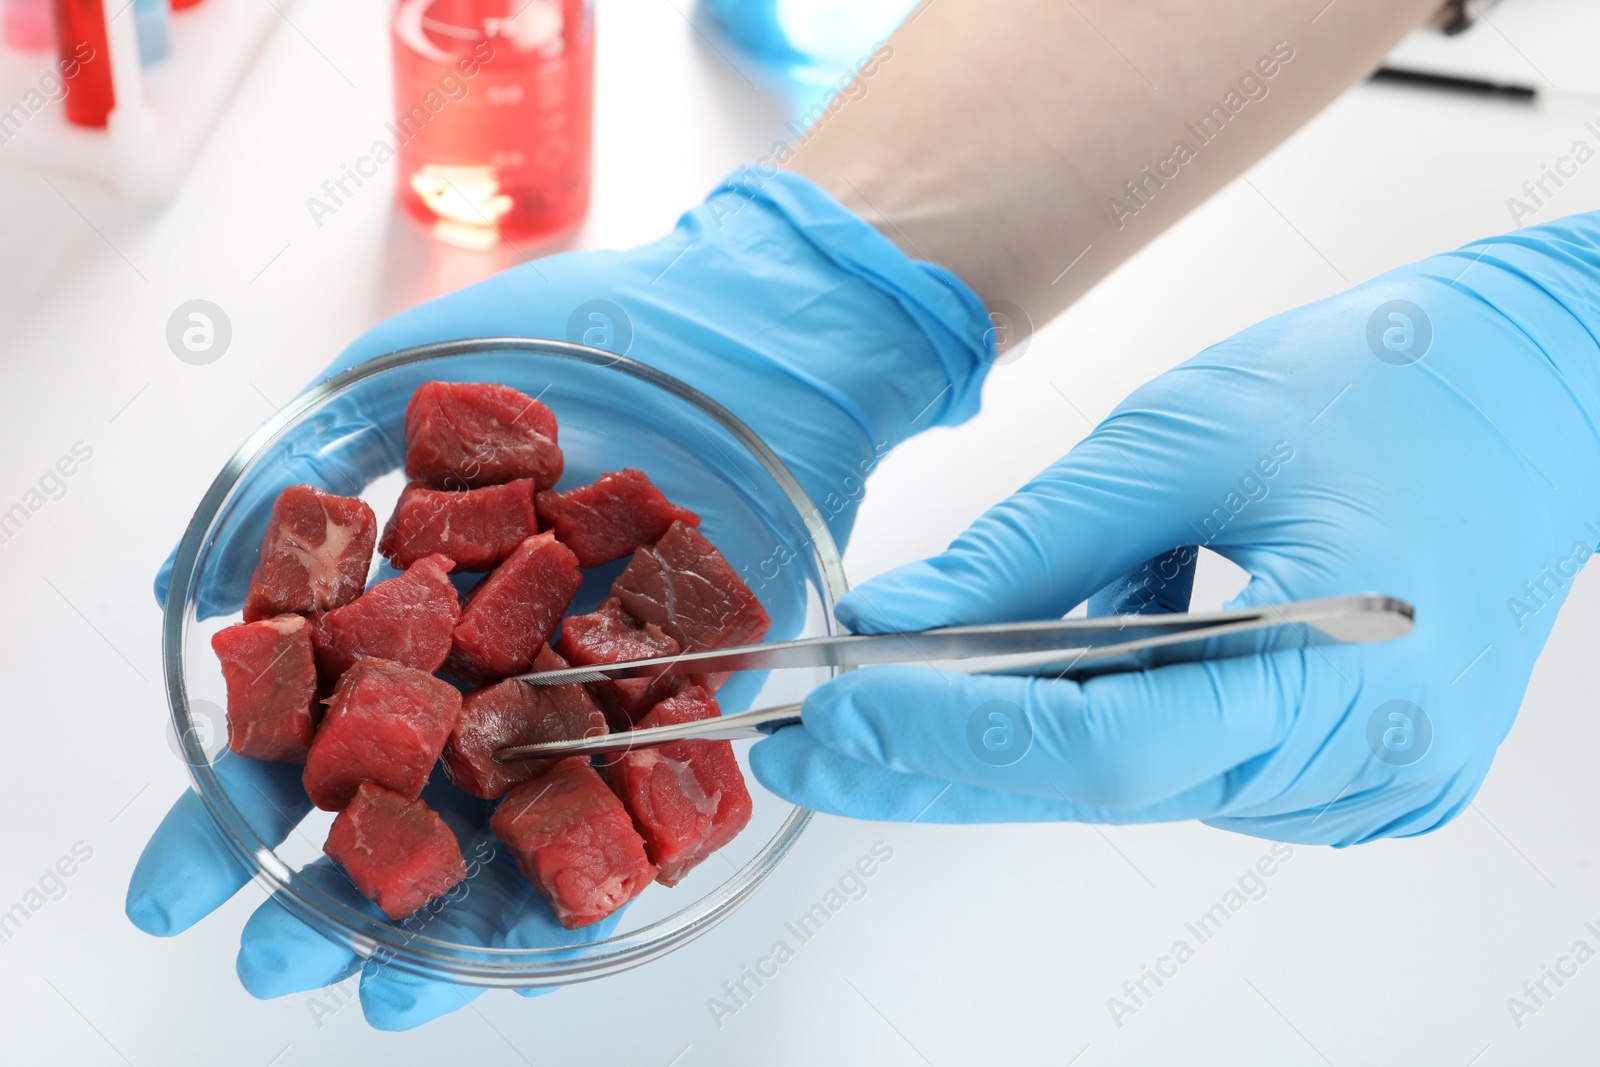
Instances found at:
x=145 y=912
x=260 y=968
x=847 y=714
x=825 y=698
x=779 y=762
x=187 y=870
x=279 y=963
x=541 y=991
x=912 y=597
x=394 y=1001
x=794 y=766
x=279 y=954
x=164 y=576
x=184 y=874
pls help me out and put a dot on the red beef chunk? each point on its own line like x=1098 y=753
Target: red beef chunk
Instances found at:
x=688 y=798
x=511 y=614
x=477 y=528
x=574 y=841
x=683 y=585
x=605 y=520
x=385 y=724
x=396 y=850
x=464 y=435
x=272 y=686
x=609 y=635
x=408 y=619
x=515 y=713
x=315 y=555
x=627 y=700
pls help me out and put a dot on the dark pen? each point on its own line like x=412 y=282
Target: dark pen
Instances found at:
x=1424 y=79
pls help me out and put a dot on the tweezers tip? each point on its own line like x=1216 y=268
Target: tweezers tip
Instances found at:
x=566 y=676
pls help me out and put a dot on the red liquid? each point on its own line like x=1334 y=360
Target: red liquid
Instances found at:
x=494 y=112
x=85 y=61
x=27 y=24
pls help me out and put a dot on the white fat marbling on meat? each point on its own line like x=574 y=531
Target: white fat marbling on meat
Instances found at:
x=322 y=563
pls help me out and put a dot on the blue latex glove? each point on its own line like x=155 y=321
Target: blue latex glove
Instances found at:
x=772 y=299
x=1430 y=434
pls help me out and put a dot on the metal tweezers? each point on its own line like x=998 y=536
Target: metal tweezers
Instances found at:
x=1066 y=648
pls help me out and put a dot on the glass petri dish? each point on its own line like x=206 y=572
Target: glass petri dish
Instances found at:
x=346 y=435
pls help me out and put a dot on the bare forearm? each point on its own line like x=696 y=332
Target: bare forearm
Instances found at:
x=1009 y=140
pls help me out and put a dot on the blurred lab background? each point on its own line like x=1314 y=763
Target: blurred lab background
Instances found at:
x=293 y=173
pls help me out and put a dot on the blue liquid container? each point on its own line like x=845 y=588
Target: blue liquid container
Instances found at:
x=810 y=43
x=153 y=24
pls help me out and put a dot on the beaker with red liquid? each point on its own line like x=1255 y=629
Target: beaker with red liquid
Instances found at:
x=27 y=24
x=494 y=116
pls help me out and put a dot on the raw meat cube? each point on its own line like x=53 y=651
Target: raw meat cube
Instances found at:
x=688 y=798
x=627 y=700
x=272 y=685
x=683 y=585
x=611 y=517
x=515 y=713
x=315 y=555
x=574 y=841
x=396 y=850
x=385 y=724
x=408 y=619
x=477 y=528
x=464 y=435
x=609 y=635
x=511 y=614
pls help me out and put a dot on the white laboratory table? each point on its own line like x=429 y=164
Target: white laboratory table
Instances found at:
x=982 y=945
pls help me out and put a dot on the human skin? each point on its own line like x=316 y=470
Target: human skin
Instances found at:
x=995 y=137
